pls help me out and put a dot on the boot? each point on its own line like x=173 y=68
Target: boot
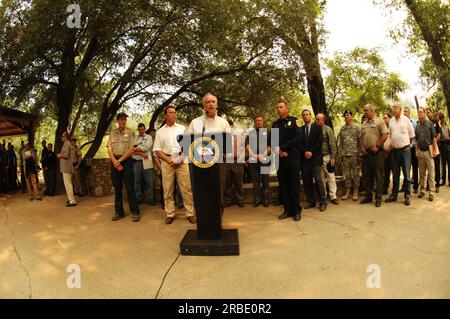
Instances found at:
x=347 y=194
x=355 y=195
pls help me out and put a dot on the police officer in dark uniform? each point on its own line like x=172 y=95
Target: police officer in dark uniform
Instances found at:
x=289 y=164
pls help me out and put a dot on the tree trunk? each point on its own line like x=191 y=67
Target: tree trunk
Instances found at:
x=102 y=128
x=316 y=90
x=77 y=119
x=437 y=56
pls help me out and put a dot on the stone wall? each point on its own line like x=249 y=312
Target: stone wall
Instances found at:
x=96 y=176
x=96 y=180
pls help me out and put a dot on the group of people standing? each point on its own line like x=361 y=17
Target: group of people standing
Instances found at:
x=30 y=164
x=376 y=147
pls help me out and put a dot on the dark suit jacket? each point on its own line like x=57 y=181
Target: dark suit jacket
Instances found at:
x=312 y=144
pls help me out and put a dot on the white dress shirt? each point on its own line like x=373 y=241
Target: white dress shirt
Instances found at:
x=215 y=124
x=401 y=131
x=166 y=139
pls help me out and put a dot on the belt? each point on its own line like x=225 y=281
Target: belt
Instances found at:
x=401 y=148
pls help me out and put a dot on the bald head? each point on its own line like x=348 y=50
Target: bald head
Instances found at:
x=320 y=119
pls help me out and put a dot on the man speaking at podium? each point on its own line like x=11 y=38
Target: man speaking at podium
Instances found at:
x=210 y=122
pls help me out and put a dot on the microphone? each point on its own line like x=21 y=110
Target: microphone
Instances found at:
x=204 y=122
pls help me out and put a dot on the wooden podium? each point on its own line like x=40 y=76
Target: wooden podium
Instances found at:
x=207 y=175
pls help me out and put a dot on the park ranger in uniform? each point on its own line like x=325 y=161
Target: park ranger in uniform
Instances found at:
x=349 y=152
x=373 y=135
x=120 y=149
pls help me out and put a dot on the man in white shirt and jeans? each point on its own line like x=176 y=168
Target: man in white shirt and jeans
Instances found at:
x=173 y=164
x=143 y=165
x=401 y=133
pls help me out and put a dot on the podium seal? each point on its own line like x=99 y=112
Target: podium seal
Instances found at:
x=204 y=152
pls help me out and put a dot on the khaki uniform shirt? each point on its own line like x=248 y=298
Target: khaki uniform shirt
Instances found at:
x=120 y=142
x=371 y=131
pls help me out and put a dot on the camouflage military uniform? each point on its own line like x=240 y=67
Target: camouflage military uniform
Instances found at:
x=349 y=151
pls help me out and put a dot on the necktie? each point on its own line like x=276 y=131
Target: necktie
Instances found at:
x=307 y=132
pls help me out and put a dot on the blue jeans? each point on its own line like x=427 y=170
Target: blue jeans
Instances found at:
x=146 y=175
x=401 y=159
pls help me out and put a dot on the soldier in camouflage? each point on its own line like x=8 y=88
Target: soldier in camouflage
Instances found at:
x=349 y=153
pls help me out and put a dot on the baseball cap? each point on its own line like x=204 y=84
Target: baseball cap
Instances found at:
x=347 y=112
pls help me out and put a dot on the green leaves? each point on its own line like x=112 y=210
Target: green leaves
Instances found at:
x=359 y=77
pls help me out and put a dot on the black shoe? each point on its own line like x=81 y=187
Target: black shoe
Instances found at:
x=297 y=217
x=323 y=207
x=266 y=204
x=366 y=200
x=192 y=219
x=284 y=215
x=408 y=200
x=310 y=205
x=136 y=218
x=117 y=217
x=378 y=203
x=226 y=204
x=334 y=201
x=241 y=205
x=390 y=199
x=169 y=220
x=256 y=204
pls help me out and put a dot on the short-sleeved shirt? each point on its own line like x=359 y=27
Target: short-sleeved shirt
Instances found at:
x=401 y=131
x=437 y=128
x=166 y=139
x=371 y=131
x=258 y=140
x=289 y=134
x=120 y=142
x=216 y=124
x=425 y=133
x=66 y=165
x=145 y=144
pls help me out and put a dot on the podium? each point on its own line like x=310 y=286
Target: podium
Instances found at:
x=207 y=169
